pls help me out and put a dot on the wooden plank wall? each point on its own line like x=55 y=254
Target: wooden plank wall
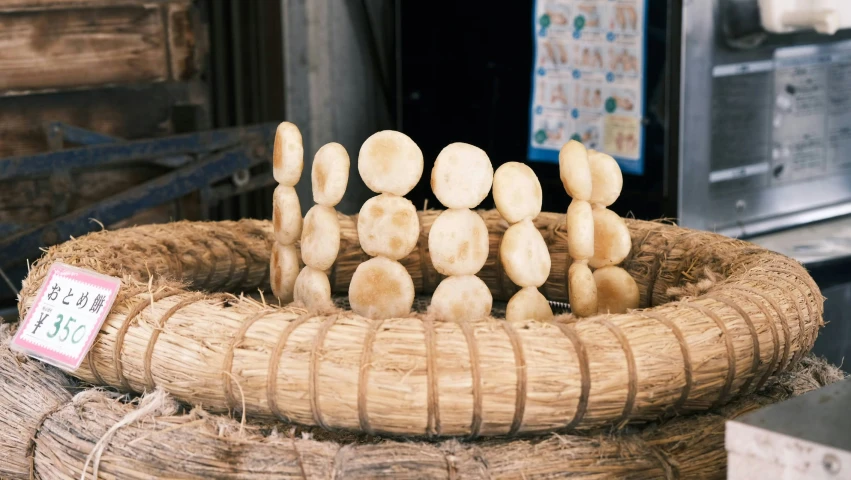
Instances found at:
x=118 y=67
x=60 y=44
x=41 y=5
x=113 y=66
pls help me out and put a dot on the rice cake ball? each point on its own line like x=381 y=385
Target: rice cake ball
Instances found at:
x=574 y=171
x=390 y=162
x=606 y=178
x=312 y=288
x=524 y=255
x=612 y=241
x=617 y=291
x=330 y=174
x=381 y=288
x=517 y=192
x=580 y=230
x=320 y=239
x=286 y=215
x=528 y=304
x=458 y=242
x=462 y=176
x=461 y=298
x=582 y=290
x=287 y=155
x=284 y=269
x=388 y=226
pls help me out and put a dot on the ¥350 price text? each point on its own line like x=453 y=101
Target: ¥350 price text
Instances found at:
x=65 y=329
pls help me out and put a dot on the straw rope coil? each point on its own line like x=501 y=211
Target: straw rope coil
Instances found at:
x=54 y=435
x=726 y=316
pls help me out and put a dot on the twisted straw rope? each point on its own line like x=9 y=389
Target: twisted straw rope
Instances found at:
x=764 y=293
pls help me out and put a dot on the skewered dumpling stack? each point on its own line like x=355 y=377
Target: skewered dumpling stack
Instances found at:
x=523 y=251
x=458 y=240
x=596 y=236
x=320 y=237
x=390 y=164
x=287 y=164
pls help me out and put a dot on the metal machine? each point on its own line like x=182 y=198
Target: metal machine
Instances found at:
x=764 y=135
x=765 y=122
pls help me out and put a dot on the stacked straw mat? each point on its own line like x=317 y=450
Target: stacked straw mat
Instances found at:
x=726 y=316
x=54 y=435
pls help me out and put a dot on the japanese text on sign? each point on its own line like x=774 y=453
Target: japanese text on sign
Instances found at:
x=69 y=311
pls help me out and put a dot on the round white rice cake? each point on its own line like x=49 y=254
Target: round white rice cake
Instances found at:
x=612 y=241
x=606 y=178
x=320 y=238
x=287 y=155
x=517 y=192
x=524 y=255
x=458 y=242
x=617 y=291
x=330 y=174
x=528 y=304
x=574 y=171
x=388 y=226
x=582 y=290
x=580 y=230
x=462 y=176
x=381 y=288
x=284 y=269
x=312 y=288
x=286 y=215
x=390 y=162
x=461 y=298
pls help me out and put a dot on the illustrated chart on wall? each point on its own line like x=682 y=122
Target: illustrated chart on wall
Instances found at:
x=588 y=79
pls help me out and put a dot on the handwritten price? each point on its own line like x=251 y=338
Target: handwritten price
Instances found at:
x=78 y=335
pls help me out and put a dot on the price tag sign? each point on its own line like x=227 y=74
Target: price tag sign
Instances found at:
x=69 y=310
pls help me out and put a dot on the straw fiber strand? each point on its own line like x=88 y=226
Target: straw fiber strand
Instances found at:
x=30 y=393
x=726 y=317
x=52 y=435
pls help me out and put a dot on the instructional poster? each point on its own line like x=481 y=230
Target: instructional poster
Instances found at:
x=588 y=79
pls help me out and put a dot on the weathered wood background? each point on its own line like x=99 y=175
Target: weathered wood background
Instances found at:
x=84 y=46
x=118 y=67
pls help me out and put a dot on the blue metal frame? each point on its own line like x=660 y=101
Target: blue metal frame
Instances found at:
x=102 y=154
x=59 y=132
x=207 y=157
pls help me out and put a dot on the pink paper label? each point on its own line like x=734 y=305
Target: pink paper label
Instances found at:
x=69 y=310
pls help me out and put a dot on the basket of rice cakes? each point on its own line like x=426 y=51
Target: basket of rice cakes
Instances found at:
x=461 y=322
